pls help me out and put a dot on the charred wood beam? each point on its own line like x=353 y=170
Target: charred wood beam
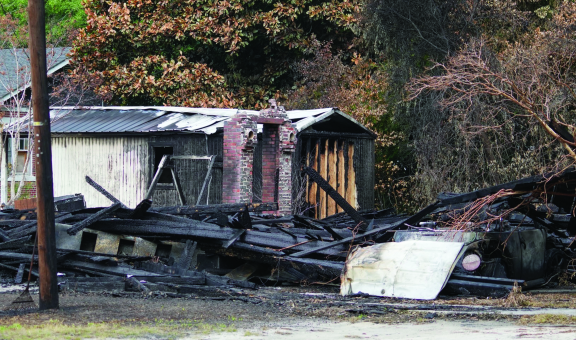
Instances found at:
x=140 y=209
x=104 y=192
x=206 y=231
x=257 y=249
x=17 y=256
x=214 y=208
x=412 y=220
x=90 y=220
x=206 y=180
x=163 y=162
x=234 y=238
x=334 y=234
x=287 y=232
x=348 y=239
x=103 y=269
x=188 y=229
x=3 y=236
x=302 y=232
x=279 y=241
x=244 y=251
x=16 y=231
x=35 y=273
x=15 y=243
x=272 y=221
x=335 y=266
x=186 y=258
x=306 y=222
x=13 y=223
x=324 y=185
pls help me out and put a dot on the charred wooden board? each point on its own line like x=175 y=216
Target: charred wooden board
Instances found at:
x=214 y=208
x=117 y=271
x=97 y=216
x=324 y=185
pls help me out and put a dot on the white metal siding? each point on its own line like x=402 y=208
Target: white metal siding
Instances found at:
x=118 y=164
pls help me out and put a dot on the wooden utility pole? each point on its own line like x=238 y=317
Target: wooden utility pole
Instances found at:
x=43 y=152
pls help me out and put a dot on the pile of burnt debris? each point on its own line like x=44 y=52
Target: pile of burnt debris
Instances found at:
x=518 y=233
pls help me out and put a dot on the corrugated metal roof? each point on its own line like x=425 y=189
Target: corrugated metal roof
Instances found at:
x=118 y=119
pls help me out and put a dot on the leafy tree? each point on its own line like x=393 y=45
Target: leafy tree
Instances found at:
x=357 y=88
x=504 y=107
x=207 y=52
x=62 y=18
x=442 y=152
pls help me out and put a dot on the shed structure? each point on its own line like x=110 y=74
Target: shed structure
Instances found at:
x=257 y=155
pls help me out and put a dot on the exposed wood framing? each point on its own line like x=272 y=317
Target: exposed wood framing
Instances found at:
x=329 y=190
x=333 y=159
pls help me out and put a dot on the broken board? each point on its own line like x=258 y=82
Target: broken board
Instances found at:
x=410 y=269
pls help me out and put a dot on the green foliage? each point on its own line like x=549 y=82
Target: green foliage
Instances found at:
x=470 y=143
x=358 y=86
x=63 y=17
x=204 y=53
x=482 y=115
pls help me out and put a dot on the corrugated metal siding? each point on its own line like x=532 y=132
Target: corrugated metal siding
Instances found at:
x=119 y=164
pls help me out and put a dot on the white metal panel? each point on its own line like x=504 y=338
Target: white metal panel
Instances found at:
x=119 y=164
x=410 y=269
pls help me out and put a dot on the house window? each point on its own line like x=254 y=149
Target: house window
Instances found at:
x=23 y=144
x=159 y=152
x=21 y=156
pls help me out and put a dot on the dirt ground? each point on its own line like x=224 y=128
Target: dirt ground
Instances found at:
x=298 y=312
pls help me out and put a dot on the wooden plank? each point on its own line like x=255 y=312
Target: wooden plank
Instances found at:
x=236 y=236
x=312 y=198
x=324 y=173
x=376 y=232
x=329 y=190
x=332 y=159
x=165 y=159
x=214 y=208
x=307 y=164
x=192 y=157
x=73 y=230
x=351 y=179
x=188 y=254
x=178 y=187
x=341 y=174
x=103 y=191
x=206 y=180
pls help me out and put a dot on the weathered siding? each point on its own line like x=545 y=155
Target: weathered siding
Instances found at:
x=124 y=166
x=119 y=164
x=190 y=172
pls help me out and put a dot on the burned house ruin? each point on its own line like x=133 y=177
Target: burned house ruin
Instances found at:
x=216 y=156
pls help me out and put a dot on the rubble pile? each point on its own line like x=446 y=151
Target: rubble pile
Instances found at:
x=518 y=233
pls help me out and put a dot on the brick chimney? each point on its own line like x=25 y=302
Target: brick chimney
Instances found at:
x=278 y=144
x=240 y=136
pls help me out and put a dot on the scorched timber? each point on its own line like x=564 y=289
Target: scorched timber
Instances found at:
x=191 y=229
x=201 y=230
x=214 y=208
